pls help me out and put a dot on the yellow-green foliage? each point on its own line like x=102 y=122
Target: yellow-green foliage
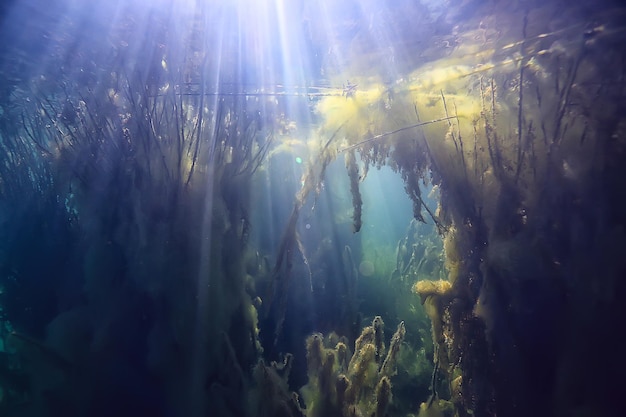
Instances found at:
x=388 y=366
x=523 y=140
x=436 y=296
x=474 y=84
x=362 y=371
x=376 y=118
x=355 y=115
x=438 y=408
x=314 y=354
x=452 y=257
x=427 y=289
x=383 y=396
x=360 y=388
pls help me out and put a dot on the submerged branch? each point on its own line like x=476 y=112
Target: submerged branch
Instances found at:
x=441 y=228
x=402 y=129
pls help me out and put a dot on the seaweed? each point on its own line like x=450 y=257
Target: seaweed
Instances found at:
x=364 y=386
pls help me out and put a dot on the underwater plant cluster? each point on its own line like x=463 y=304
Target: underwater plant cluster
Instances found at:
x=188 y=225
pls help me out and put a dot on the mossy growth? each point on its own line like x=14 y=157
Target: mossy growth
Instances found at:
x=438 y=408
x=271 y=396
x=345 y=384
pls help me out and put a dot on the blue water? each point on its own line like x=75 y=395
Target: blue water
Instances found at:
x=311 y=208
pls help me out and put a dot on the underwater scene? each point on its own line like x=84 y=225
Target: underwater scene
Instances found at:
x=312 y=208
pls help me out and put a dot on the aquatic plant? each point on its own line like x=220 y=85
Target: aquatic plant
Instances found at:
x=363 y=386
x=141 y=231
x=357 y=202
x=519 y=152
x=271 y=395
x=128 y=282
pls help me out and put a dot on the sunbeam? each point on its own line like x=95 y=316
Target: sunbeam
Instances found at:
x=311 y=208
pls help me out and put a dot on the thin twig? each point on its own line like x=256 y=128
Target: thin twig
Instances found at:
x=445 y=108
x=458 y=128
x=402 y=129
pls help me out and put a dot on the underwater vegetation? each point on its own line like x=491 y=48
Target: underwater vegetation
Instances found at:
x=499 y=137
x=113 y=236
x=182 y=218
x=346 y=382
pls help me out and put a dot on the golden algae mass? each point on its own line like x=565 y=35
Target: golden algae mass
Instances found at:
x=355 y=114
x=426 y=289
x=344 y=381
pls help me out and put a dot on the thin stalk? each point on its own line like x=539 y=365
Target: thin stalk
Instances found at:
x=402 y=129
